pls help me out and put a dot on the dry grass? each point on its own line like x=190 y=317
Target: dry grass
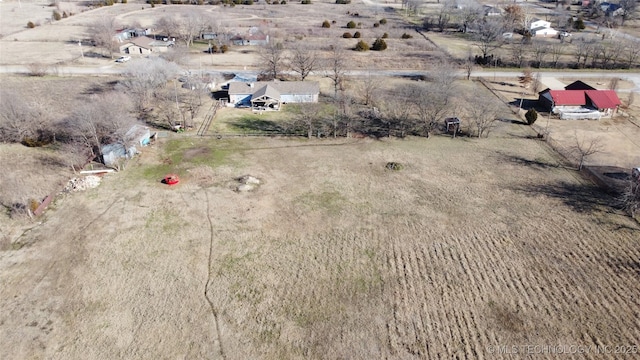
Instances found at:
x=473 y=243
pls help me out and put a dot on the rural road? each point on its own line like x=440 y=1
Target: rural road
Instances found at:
x=114 y=69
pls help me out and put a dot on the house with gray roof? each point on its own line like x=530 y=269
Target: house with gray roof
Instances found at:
x=270 y=95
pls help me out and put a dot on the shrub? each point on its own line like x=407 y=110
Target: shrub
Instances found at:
x=326 y=24
x=124 y=1
x=357 y=35
x=379 y=45
x=31 y=25
x=224 y=48
x=578 y=24
x=396 y=166
x=333 y=21
x=385 y=35
x=283 y=2
x=56 y=15
x=347 y=35
x=375 y=25
x=343 y=1
x=531 y=116
x=383 y=21
x=361 y=46
x=108 y=2
x=306 y=2
x=406 y=36
x=351 y=25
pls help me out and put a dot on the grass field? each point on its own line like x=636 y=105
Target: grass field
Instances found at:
x=474 y=243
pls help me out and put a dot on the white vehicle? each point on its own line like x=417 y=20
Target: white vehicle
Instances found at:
x=123 y=59
x=565 y=34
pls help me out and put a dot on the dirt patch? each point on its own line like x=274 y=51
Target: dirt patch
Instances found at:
x=195 y=153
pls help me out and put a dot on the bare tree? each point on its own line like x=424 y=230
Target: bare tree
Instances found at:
x=469 y=13
x=102 y=33
x=19 y=118
x=432 y=103
x=631 y=52
x=272 y=60
x=584 y=51
x=368 y=87
x=488 y=36
x=540 y=51
x=585 y=147
x=104 y=119
x=556 y=52
x=444 y=15
x=482 y=113
x=396 y=111
x=514 y=17
x=186 y=27
x=335 y=66
x=303 y=60
x=145 y=77
x=518 y=54
x=628 y=9
x=309 y=115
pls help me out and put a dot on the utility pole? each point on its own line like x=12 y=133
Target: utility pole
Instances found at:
x=80 y=45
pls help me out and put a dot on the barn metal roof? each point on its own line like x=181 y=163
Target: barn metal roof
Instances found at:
x=568 y=97
x=603 y=99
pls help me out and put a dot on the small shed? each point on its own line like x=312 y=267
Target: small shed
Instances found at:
x=137 y=135
x=452 y=125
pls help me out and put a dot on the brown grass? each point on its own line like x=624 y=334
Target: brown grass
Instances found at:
x=334 y=256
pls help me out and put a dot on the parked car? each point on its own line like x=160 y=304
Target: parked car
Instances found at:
x=123 y=59
x=564 y=34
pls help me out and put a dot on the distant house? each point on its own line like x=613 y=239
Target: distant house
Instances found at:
x=610 y=9
x=270 y=95
x=545 y=32
x=253 y=37
x=543 y=28
x=145 y=45
x=538 y=23
x=137 y=136
x=126 y=34
x=580 y=104
x=491 y=10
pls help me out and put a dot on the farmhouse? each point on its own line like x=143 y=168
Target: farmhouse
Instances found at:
x=270 y=95
x=580 y=104
x=144 y=45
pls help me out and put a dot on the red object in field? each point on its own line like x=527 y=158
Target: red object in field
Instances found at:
x=171 y=179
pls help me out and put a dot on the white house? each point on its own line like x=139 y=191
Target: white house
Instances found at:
x=270 y=95
x=538 y=23
x=543 y=28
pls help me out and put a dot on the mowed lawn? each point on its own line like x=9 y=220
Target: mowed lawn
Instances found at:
x=472 y=244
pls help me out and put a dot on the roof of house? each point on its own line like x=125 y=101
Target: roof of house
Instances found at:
x=267 y=90
x=283 y=87
x=568 y=97
x=543 y=28
x=603 y=99
x=142 y=41
x=148 y=43
x=579 y=85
